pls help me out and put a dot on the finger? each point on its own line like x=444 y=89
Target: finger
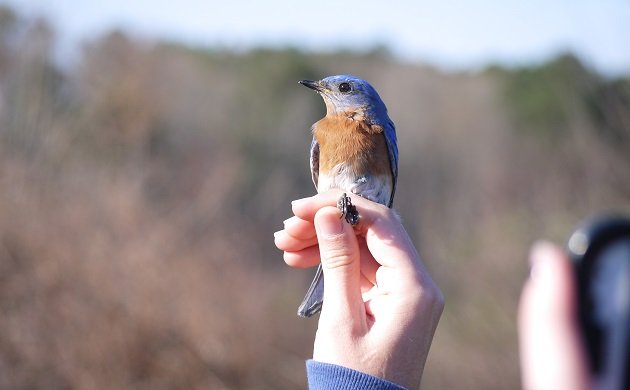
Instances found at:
x=368 y=264
x=305 y=258
x=397 y=268
x=309 y=257
x=343 y=307
x=286 y=242
x=552 y=354
x=306 y=208
x=366 y=285
x=400 y=275
x=299 y=228
x=389 y=242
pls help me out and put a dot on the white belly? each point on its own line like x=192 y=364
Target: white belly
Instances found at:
x=375 y=188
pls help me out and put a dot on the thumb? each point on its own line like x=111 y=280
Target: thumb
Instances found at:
x=551 y=348
x=339 y=253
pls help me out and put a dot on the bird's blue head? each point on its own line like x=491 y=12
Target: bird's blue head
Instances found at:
x=348 y=94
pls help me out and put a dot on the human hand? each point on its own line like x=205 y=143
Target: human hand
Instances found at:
x=552 y=353
x=381 y=307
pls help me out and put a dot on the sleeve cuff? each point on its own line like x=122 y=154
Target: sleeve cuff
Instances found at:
x=331 y=376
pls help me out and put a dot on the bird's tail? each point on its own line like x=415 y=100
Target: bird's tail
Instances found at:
x=312 y=302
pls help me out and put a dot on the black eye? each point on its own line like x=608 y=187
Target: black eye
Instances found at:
x=344 y=87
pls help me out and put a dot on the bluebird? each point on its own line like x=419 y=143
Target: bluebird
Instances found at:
x=353 y=149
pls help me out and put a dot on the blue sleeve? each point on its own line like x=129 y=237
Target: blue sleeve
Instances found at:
x=324 y=376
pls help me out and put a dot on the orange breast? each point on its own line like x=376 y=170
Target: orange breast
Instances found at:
x=353 y=142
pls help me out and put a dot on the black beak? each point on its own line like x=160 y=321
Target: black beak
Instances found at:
x=311 y=84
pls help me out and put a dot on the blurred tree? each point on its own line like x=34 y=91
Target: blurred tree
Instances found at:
x=544 y=98
x=8 y=24
x=609 y=106
x=117 y=95
x=31 y=87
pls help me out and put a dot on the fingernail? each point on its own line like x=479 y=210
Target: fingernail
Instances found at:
x=330 y=225
x=540 y=258
x=276 y=234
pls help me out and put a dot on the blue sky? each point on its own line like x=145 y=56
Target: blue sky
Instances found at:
x=454 y=35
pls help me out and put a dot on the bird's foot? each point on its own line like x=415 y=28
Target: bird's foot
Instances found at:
x=348 y=210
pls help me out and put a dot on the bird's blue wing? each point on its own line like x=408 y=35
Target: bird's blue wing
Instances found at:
x=312 y=302
x=315 y=161
x=392 y=151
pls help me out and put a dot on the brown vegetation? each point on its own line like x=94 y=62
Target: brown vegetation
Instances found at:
x=140 y=187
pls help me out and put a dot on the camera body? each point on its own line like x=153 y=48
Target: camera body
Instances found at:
x=600 y=252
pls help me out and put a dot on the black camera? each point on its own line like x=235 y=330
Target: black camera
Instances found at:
x=600 y=251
